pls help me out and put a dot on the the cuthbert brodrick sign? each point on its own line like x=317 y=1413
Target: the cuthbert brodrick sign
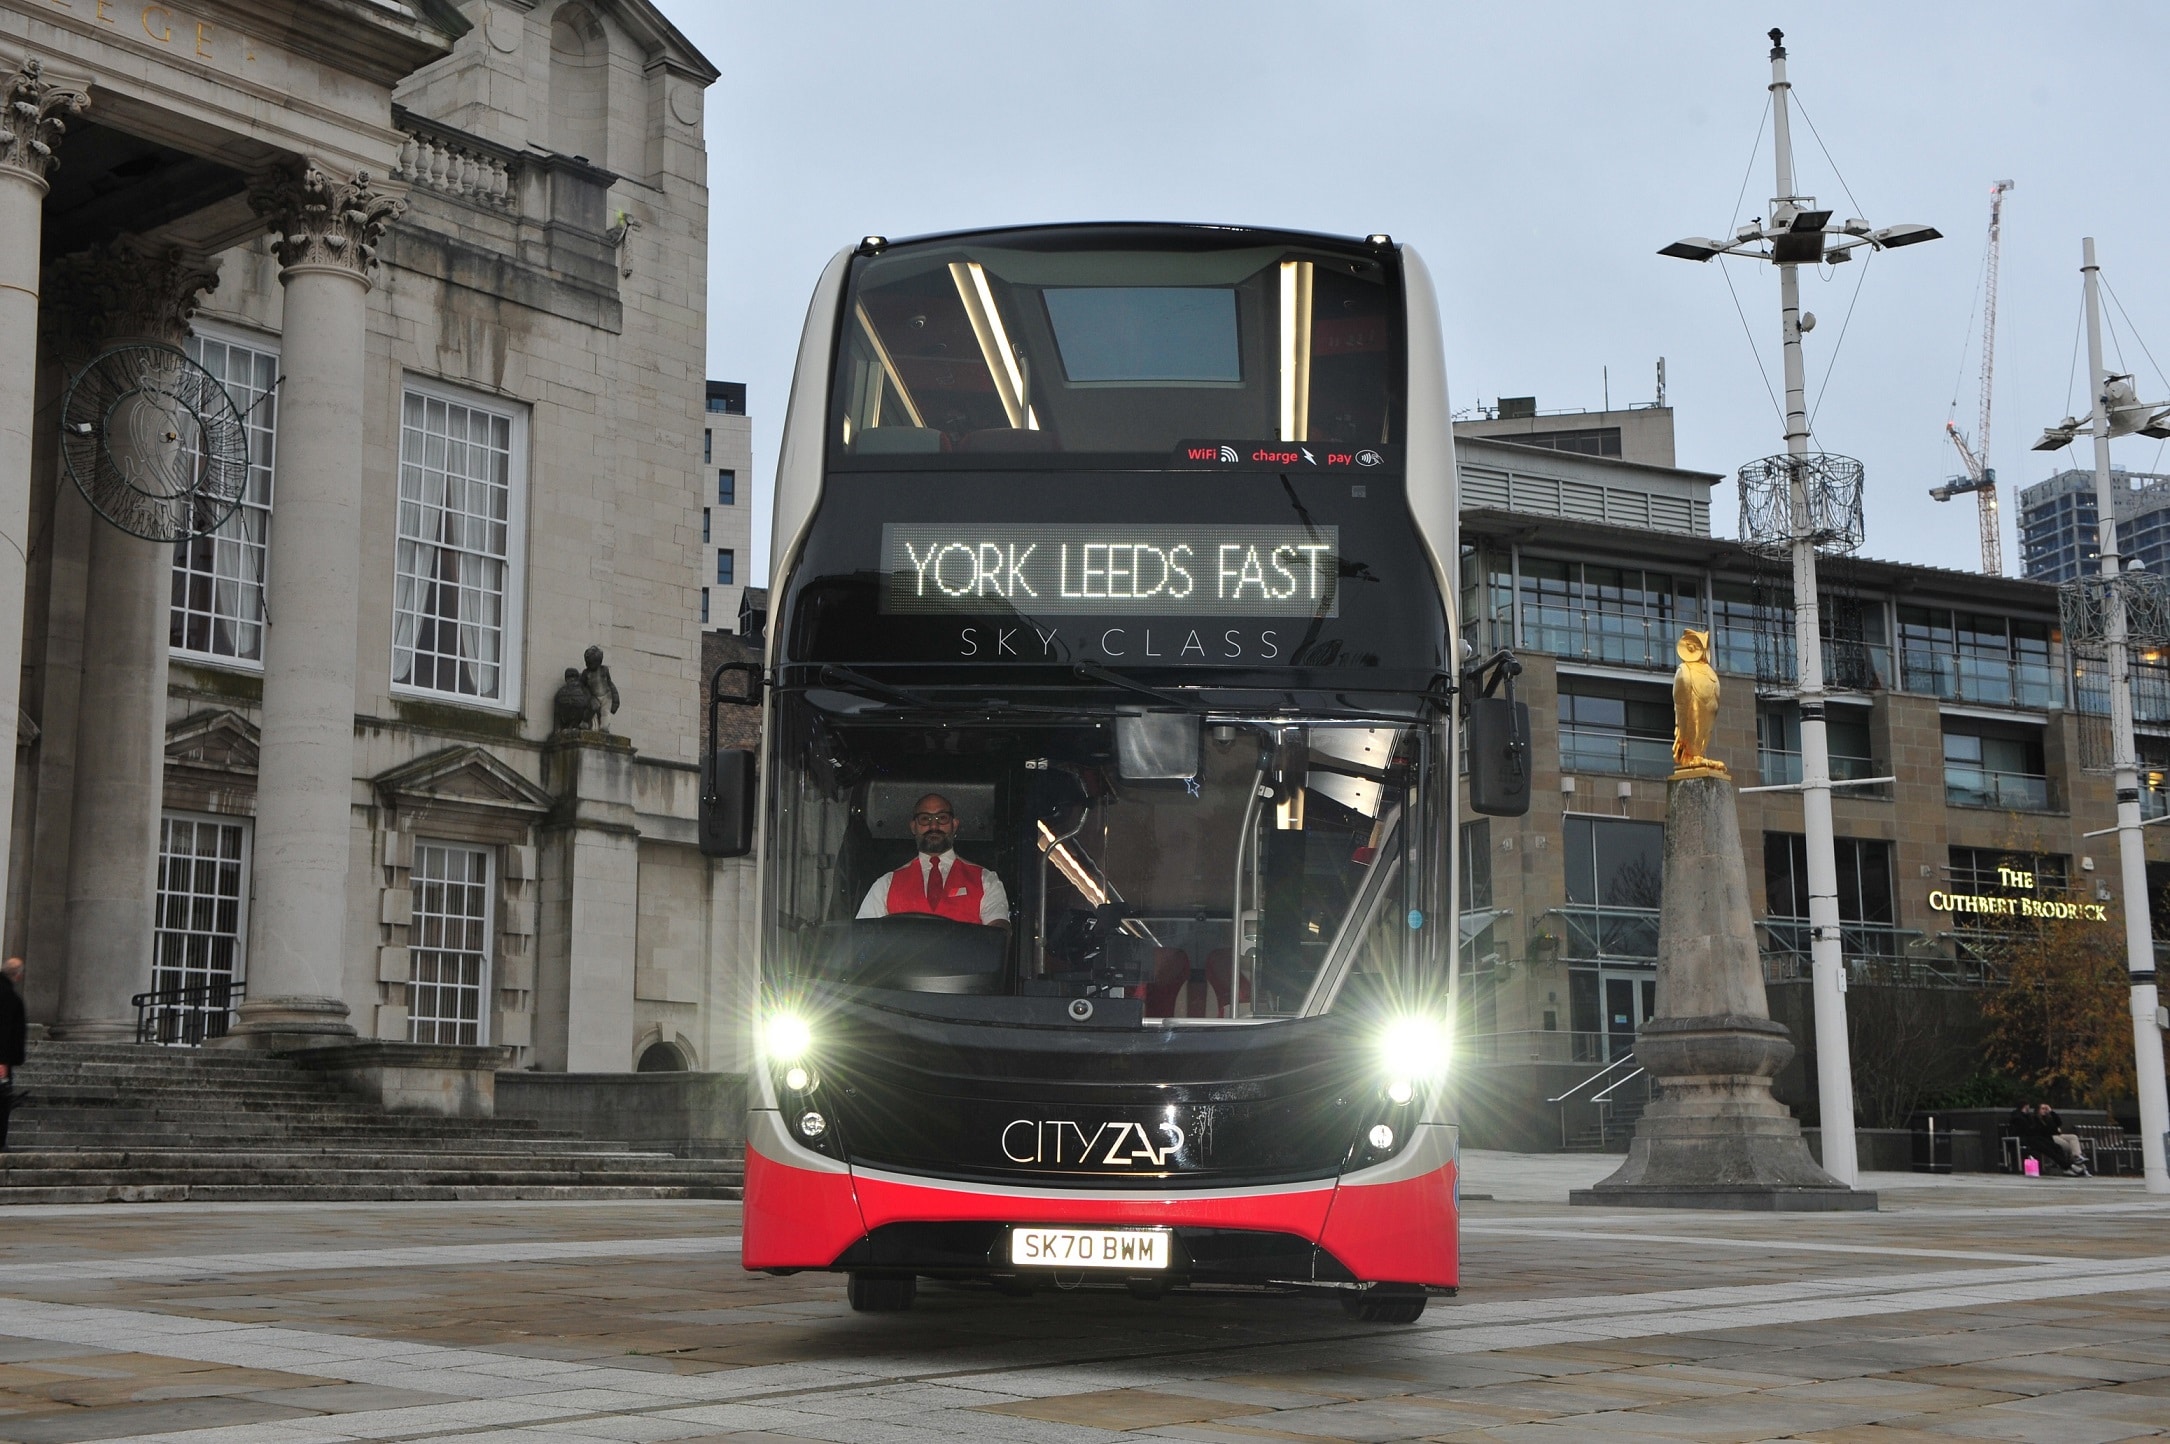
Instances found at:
x=2014 y=906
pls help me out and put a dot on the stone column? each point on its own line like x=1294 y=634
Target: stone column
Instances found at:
x=32 y=111
x=121 y=293
x=328 y=230
x=1714 y=1137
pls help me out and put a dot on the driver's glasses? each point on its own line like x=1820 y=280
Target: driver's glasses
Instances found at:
x=933 y=819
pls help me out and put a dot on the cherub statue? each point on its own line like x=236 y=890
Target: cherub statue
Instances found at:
x=601 y=689
x=1695 y=707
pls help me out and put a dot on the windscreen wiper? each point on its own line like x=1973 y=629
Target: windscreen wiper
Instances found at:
x=862 y=683
x=1094 y=672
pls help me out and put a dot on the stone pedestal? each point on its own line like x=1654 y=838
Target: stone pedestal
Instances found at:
x=1714 y=1137
x=588 y=874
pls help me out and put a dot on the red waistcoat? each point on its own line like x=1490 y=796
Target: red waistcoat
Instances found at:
x=961 y=891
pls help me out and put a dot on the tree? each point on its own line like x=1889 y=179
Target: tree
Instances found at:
x=2063 y=1020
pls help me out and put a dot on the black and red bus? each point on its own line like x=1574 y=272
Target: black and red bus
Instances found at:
x=1118 y=558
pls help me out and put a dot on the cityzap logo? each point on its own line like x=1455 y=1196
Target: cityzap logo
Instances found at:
x=1111 y=1145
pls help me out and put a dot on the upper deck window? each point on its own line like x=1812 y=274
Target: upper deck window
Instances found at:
x=1142 y=334
x=1113 y=342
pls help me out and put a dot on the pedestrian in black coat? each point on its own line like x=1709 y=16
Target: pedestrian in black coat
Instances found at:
x=14 y=1039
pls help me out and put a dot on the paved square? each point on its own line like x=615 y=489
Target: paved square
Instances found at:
x=1968 y=1309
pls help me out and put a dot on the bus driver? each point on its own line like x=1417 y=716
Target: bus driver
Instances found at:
x=937 y=881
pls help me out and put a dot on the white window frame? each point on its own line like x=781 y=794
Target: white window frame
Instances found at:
x=511 y=669
x=269 y=345
x=486 y=983
x=239 y=974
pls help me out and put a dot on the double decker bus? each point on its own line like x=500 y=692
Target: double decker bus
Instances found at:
x=1105 y=801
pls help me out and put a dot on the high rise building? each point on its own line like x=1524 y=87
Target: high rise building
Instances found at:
x=726 y=500
x=2057 y=523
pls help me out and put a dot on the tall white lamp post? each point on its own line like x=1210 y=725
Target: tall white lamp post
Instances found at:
x=2102 y=611
x=1801 y=501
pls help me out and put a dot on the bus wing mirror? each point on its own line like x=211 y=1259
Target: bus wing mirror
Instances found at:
x=727 y=783
x=1496 y=737
x=727 y=803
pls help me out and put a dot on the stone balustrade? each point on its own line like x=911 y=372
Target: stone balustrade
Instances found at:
x=437 y=160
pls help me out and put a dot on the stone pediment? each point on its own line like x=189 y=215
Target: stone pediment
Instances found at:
x=661 y=42
x=468 y=776
x=221 y=740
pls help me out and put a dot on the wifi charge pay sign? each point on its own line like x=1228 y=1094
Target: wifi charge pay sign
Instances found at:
x=1058 y=570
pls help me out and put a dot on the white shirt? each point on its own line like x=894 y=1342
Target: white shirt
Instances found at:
x=994 y=902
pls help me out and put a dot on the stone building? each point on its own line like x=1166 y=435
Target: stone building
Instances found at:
x=1959 y=686
x=304 y=777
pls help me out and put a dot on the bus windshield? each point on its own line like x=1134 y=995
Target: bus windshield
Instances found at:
x=1102 y=342
x=1211 y=869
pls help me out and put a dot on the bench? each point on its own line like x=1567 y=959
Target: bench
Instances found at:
x=2110 y=1149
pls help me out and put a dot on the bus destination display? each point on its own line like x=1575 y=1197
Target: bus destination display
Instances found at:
x=1110 y=569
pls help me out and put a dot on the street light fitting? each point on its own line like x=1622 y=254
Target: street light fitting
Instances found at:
x=1905 y=235
x=1694 y=248
x=2060 y=436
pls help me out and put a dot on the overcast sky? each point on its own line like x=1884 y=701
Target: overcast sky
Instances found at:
x=1537 y=155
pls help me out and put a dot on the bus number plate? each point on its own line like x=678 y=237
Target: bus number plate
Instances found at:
x=1090 y=1248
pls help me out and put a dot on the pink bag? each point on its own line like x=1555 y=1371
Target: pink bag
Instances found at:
x=2032 y=1167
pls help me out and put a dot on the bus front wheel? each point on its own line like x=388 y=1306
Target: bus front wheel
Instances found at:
x=1385 y=1304
x=884 y=1293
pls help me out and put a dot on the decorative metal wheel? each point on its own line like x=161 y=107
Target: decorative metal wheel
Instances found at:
x=154 y=443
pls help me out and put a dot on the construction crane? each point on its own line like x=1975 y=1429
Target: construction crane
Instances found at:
x=1981 y=477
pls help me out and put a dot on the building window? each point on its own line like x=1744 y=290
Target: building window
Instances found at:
x=704 y=606
x=201 y=926
x=726 y=488
x=1476 y=865
x=704 y=523
x=1846 y=736
x=1973 y=657
x=1615 y=881
x=2000 y=768
x=456 y=588
x=1864 y=877
x=1591 y=441
x=1597 y=613
x=708 y=447
x=1615 y=727
x=726 y=565
x=448 y=943
x=218 y=580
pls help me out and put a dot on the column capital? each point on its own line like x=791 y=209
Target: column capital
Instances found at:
x=130 y=289
x=324 y=221
x=31 y=123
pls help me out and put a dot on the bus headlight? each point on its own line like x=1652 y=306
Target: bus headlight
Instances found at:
x=797 y=1079
x=1413 y=1050
x=787 y=1037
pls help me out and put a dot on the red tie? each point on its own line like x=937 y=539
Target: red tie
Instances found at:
x=934 y=884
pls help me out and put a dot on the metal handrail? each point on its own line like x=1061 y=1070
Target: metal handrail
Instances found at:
x=1606 y=1095
x=1620 y=1062
x=184 y=1017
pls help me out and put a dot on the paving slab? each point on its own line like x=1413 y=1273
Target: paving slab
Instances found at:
x=1959 y=1310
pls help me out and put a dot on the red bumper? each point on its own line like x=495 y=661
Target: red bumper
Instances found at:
x=1398 y=1232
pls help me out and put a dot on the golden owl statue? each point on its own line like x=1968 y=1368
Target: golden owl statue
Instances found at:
x=1695 y=707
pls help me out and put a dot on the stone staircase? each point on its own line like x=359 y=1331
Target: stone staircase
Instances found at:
x=1624 y=1109
x=110 y=1122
